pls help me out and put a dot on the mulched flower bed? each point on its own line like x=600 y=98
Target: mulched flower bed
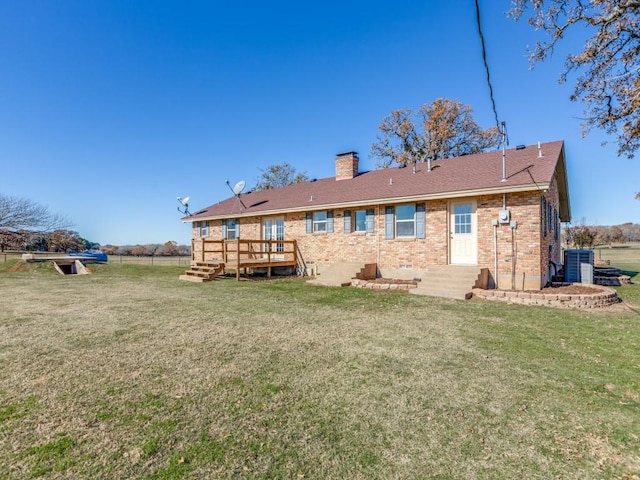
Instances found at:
x=569 y=290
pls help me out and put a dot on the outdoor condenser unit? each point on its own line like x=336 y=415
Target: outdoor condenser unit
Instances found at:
x=578 y=266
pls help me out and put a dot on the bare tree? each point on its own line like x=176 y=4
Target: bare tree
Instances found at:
x=277 y=176
x=23 y=214
x=608 y=67
x=442 y=129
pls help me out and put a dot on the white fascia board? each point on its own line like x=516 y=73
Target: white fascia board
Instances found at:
x=381 y=201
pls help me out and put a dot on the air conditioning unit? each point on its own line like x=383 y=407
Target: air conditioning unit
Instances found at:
x=578 y=266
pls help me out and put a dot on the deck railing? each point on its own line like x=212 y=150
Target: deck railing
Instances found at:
x=248 y=253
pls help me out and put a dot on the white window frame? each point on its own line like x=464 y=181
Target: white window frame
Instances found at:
x=202 y=229
x=399 y=221
x=359 y=220
x=320 y=223
x=232 y=229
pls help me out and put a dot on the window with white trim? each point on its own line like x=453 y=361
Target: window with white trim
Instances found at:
x=231 y=229
x=319 y=222
x=405 y=221
x=462 y=218
x=202 y=229
x=359 y=221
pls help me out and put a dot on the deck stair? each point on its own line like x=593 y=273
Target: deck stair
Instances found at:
x=203 y=271
x=452 y=281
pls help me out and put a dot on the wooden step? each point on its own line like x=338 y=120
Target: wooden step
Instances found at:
x=202 y=271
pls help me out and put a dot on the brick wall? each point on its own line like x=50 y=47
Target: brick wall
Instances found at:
x=522 y=252
x=346 y=166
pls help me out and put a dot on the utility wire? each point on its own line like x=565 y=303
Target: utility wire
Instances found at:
x=486 y=65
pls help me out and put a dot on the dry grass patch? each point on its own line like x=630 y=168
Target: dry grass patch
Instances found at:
x=129 y=373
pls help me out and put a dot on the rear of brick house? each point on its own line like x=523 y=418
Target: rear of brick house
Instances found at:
x=497 y=211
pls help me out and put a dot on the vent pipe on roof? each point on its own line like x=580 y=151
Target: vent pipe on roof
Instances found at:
x=540 y=151
x=505 y=142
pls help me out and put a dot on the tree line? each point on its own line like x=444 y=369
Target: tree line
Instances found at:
x=28 y=226
x=589 y=236
x=167 y=249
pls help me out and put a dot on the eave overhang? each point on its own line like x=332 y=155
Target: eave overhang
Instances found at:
x=376 y=202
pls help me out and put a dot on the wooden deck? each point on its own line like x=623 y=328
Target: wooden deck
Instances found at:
x=211 y=257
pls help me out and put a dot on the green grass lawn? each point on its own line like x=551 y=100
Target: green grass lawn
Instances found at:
x=130 y=373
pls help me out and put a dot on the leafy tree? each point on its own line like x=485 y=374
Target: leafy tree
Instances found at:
x=139 y=250
x=607 y=67
x=65 y=241
x=110 y=249
x=10 y=240
x=442 y=129
x=169 y=248
x=277 y=176
x=580 y=236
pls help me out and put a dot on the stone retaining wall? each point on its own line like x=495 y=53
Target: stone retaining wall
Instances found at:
x=382 y=285
x=603 y=298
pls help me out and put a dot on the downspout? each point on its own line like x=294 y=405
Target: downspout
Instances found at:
x=513 y=258
x=495 y=253
x=377 y=220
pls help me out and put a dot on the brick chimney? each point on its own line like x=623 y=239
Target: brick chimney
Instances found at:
x=346 y=165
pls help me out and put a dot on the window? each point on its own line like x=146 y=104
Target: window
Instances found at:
x=462 y=218
x=230 y=229
x=202 y=229
x=543 y=215
x=358 y=221
x=405 y=221
x=320 y=222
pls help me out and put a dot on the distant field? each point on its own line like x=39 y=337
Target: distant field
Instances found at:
x=121 y=259
x=130 y=373
x=625 y=254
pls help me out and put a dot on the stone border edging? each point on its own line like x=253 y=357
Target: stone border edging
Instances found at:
x=382 y=286
x=604 y=298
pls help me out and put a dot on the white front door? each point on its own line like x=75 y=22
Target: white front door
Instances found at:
x=463 y=233
x=273 y=229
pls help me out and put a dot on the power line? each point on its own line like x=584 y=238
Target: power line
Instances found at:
x=486 y=65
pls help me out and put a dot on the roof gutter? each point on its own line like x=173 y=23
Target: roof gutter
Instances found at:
x=379 y=201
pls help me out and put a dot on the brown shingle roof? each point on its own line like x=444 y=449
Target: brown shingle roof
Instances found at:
x=451 y=177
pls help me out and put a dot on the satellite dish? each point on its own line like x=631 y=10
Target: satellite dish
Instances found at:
x=185 y=203
x=239 y=187
x=237 y=190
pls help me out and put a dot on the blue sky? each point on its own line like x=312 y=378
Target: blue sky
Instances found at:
x=111 y=109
